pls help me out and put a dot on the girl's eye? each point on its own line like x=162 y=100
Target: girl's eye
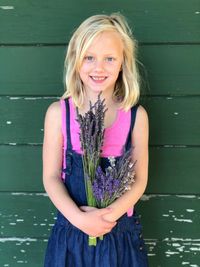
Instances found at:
x=89 y=58
x=110 y=59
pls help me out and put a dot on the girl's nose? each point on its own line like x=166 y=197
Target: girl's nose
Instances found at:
x=99 y=65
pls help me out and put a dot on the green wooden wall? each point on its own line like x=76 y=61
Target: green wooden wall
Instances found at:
x=33 y=41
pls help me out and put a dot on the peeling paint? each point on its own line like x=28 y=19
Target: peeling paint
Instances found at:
x=20 y=220
x=186 y=196
x=16 y=239
x=30 y=98
x=195 y=249
x=181 y=239
x=171 y=252
x=14 y=98
x=28 y=194
x=12 y=223
x=7 y=7
x=168 y=146
x=148 y=197
x=151 y=254
x=190 y=210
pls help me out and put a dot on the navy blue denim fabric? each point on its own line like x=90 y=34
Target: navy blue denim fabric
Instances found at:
x=68 y=246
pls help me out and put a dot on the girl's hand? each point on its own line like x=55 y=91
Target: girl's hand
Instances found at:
x=92 y=222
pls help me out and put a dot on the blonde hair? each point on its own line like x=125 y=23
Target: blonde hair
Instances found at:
x=126 y=89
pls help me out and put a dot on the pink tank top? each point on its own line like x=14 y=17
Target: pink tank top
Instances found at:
x=114 y=137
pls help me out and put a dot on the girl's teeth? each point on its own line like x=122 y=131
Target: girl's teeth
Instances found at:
x=98 y=78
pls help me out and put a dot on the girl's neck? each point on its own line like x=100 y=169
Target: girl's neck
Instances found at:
x=108 y=96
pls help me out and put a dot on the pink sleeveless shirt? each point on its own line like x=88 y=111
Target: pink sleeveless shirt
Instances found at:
x=114 y=137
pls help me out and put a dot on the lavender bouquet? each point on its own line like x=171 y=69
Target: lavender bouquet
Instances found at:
x=102 y=188
x=91 y=139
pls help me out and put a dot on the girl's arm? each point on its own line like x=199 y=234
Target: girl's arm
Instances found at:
x=140 y=138
x=53 y=184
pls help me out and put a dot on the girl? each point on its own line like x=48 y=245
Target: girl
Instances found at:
x=100 y=58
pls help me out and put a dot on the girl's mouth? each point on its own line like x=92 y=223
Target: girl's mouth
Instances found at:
x=98 y=79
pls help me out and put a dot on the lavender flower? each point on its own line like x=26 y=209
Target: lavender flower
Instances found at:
x=116 y=180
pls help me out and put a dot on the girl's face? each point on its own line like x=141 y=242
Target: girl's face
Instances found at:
x=102 y=63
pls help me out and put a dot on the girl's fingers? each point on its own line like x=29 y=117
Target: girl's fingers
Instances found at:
x=87 y=208
x=105 y=211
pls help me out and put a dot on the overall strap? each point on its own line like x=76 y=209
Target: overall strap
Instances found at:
x=133 y=115
x=68 y=153
x=69 y=144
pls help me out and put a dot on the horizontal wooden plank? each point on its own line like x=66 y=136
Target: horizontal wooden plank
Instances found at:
x=50 y=23
x=26 y=215
x=172 y=170
x=167 y=70
x=162 y=216
x=30 y=252
x=173 y=120
x=173 y=253
x=15 y=252
x=21 y=168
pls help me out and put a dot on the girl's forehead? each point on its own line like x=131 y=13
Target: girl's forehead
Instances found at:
x=107 y=40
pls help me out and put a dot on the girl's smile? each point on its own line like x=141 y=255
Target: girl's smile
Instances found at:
x=102 y=63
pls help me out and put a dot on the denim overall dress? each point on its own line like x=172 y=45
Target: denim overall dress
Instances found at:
x=68 y=246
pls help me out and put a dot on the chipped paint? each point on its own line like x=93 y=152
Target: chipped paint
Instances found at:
x=7 y=7
x=148 y=197
x=168 y=146
x=197 y=12
x=12 y=144
x=31 y=97
x=171 y=252
x=14 y=98
x=17 y=239
x=186 y=196
x=9 y=122
x=190 y=210
x=183 y=220
x=175 y=113
x=28 y=194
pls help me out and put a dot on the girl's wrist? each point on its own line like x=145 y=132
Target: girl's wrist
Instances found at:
x=77 y=218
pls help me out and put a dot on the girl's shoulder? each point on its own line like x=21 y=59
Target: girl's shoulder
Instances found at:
x=141 y=125
x=53 y=113
x=55 y=107
x=141 y=111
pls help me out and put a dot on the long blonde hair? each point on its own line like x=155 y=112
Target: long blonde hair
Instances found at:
x=127 y=88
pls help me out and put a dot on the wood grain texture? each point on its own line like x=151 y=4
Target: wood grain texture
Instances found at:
x=151 y=21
